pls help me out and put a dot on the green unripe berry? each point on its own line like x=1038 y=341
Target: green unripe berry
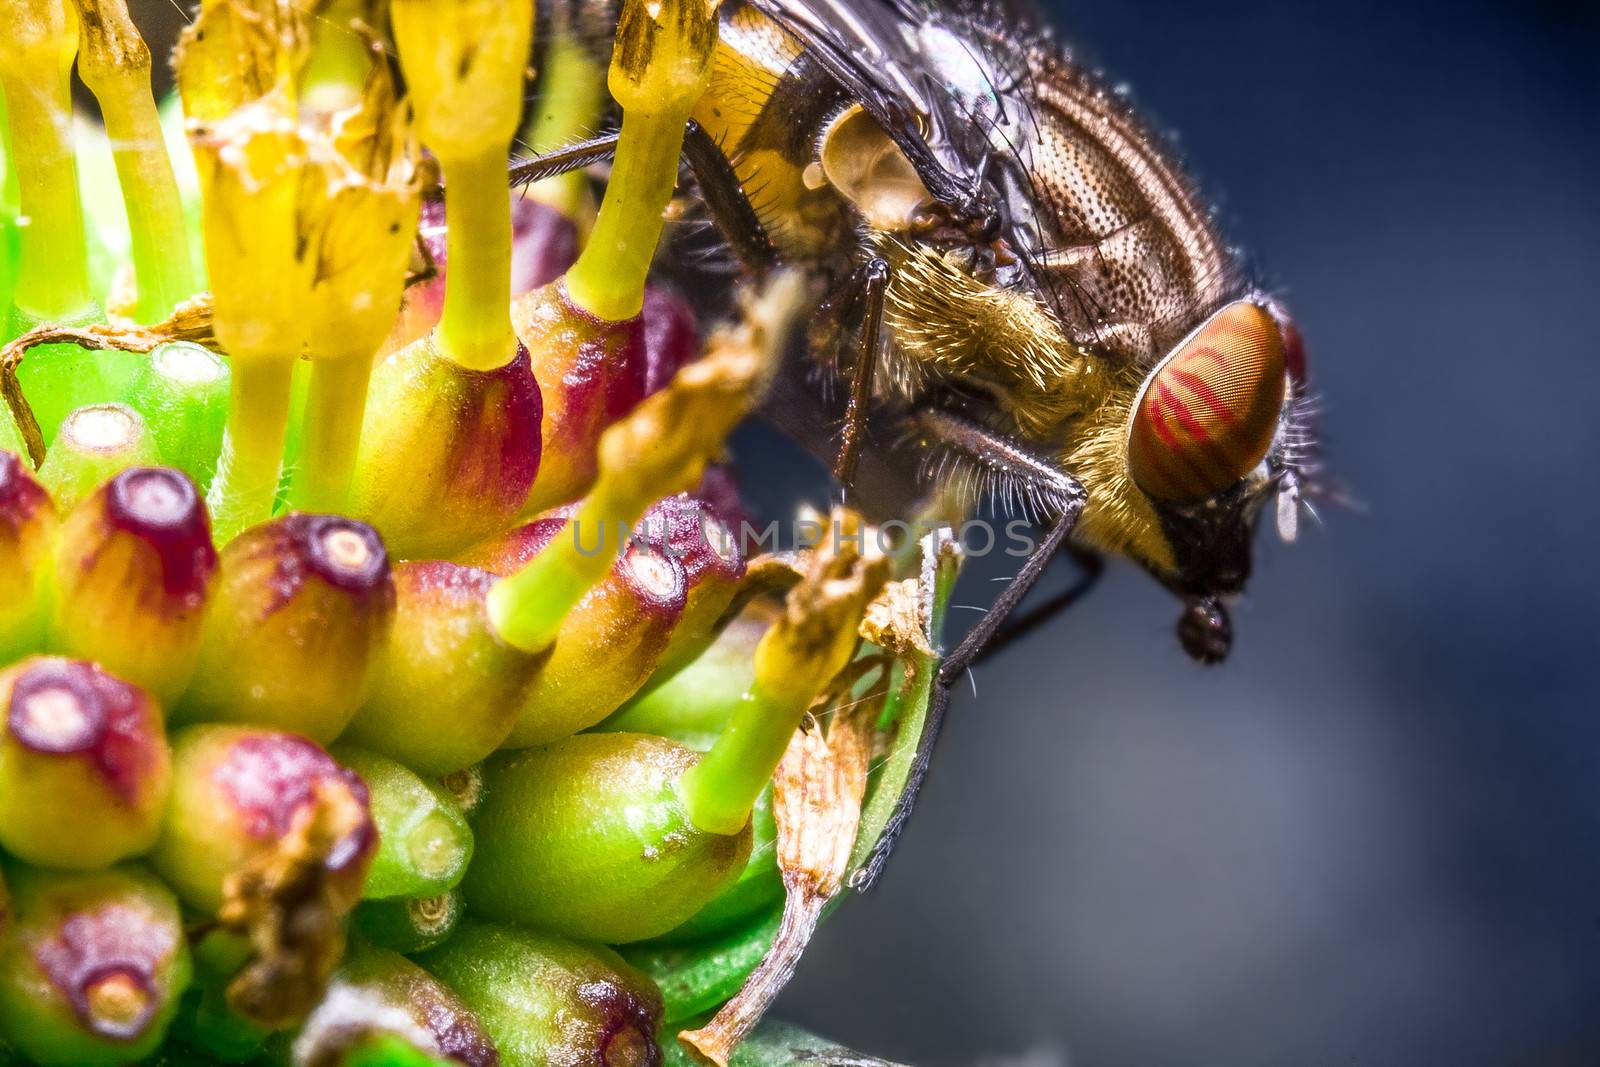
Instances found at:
x=545 y=1000
x=588 y=838
x=409 y=926
x=424 y=843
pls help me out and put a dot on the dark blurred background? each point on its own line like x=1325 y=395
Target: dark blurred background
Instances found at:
x=1373 y=836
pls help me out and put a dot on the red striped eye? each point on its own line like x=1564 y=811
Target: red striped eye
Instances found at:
x=1208 y=413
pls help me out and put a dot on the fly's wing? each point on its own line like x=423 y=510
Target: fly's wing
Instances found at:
x=934 y=80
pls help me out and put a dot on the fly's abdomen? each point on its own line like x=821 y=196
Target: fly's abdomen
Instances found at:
x=765 y=105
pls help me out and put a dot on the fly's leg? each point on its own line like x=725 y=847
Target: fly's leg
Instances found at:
x=724 y=197
x=873 y=286
x=1091 y=566
x=560 y=161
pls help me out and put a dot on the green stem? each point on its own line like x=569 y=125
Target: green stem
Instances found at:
x=161 y=258
x=475 y=330
x=53 y=279
x=334 y=410
x=114 y=63
x=252 y=448
x=720 y=791
x=608 y=278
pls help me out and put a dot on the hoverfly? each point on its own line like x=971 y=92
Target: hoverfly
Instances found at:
x=1033 y=285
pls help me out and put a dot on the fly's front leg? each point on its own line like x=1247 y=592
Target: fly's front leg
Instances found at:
x=873 y=287
x=1054 y=489
x=1091 y=566
x=950 y=671
x=724 y=197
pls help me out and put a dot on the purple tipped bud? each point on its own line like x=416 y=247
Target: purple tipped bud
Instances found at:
x=27 y=533
x=608 y=645
x=94 y=969
x=692 y=532
x=450 y=689
x=448 y=455
x=591 y=372
x=300 y=615
x=84 y=767
x=238 y=794
x=133 y=566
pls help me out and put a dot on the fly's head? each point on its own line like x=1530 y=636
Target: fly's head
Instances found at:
x=1216 y=437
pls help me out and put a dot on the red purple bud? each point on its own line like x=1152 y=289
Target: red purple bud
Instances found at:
x=591 y=372
x=133 y=567
x=84 y=766
x=450 y=689
x=300 y=616
x=27 y=534
x=448 y=455
x=671 y=336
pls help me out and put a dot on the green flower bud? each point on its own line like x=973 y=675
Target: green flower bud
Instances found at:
x=756 y=891
x=93 y=968
x=84 y=767
x=27 y=533
x=181 y=390
x=378 y=992
x=450 y=690
x=409 y=926
x=424 y=843
x=588 y=838
x=299 y=615
x=133 y=567
x=94 y=443
x=545 y=1000
x=60 y=378
x=465 y=788
x=692 y=706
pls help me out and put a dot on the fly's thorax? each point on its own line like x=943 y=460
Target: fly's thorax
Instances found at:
x=946 y=323
x=1120 y=237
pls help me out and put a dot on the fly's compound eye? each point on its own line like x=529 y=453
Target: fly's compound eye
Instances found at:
x=1208 y=413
